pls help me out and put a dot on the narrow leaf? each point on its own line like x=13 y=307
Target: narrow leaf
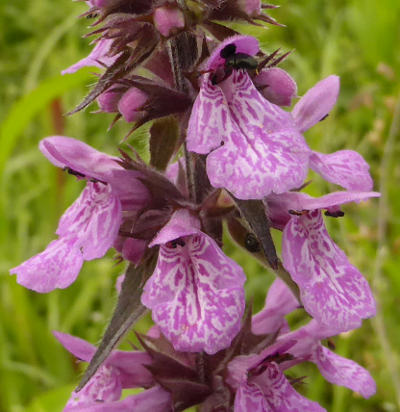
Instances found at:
x=164 y=134
x=127 y=312
x=253 y=212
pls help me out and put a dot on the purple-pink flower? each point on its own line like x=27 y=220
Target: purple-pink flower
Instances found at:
x=121 y=370
x=90 y=226
x=332 y=290
x=256 y=148
x=196 y=292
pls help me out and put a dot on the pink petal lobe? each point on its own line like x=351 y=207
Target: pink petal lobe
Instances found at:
x=94 y=218
x=155 y=399
x=78 y=347
x=68 y=152
x=97 y=58
x=279 y=394
x=262 y=151
x=279 y=302
x=316 y=103
x=103 y=387
x=346 y=168
x=332 y=290
x=56 y=267
x=344 y=372
x=196 y=295
x=209 y=119
x=249 y=397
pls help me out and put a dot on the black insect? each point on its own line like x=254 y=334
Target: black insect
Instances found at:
x=338 y=213
x=251 y=243
x=233 y=61
x=237 y=60
x=82 y=176
x=176 y=242
x=74 y=172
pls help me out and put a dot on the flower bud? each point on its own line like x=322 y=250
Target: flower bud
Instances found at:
x=277 y=86
x=167 y=19
x=130 y=104
x=108 y=101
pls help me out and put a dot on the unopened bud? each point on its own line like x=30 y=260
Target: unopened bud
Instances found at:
x=277 y=86
x=130 y=104
x=108 y=101
x=168 y=19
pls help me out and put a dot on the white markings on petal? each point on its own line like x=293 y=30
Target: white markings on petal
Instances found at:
x=346 y=168
x=332 y=290
x=344 y=372
x=94 y=218
x=56 y=267
x=196 y=295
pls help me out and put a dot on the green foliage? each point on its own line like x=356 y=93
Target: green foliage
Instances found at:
x=357 y=40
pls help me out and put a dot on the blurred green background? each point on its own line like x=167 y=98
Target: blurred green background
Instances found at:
x=357 y=40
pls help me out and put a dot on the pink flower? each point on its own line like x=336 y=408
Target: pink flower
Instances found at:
x=121 y=370
x=254 y=147
x=196 y=292
x=90 y=226
x=332 y=290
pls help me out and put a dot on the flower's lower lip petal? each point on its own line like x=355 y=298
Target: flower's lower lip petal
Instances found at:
x=346 y=168
x=254 y=169
x=94 y=218
x=345 y=372
x=209 y=120
x=332 y=290
x=56 y=267
x=196 y=295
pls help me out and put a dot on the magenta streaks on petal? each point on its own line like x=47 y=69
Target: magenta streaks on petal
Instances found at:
x=249 y=397
x=56 y=267
x=279 y=393
x=97 y=58
x=279 y=302
x=155 y=399
x=182 y=223
x=263 y=152
x=316 y=103
x=103 y=387
x=95 y=218
x=196 y=295
x=332 y=290
x=346 y=168
x=344 y=372
x=244 y=44
x=210 y=119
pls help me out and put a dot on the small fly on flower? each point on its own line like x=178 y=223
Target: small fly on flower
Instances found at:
x=233 y=61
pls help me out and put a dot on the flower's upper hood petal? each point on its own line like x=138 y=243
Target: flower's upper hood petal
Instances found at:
x=182 y=223
x=316 y=103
